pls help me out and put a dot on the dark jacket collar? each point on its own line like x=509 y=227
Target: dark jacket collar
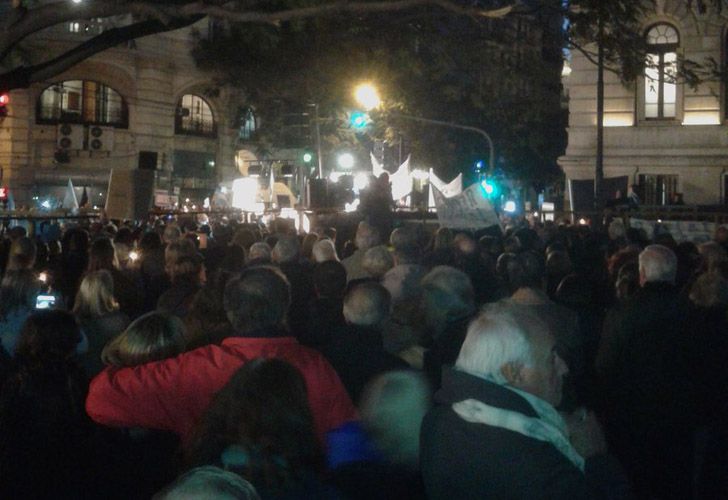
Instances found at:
x=458 y=386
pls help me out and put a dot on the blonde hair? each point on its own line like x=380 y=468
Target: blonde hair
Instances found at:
x=151 y=337
x=22 y=254
x=95 y=296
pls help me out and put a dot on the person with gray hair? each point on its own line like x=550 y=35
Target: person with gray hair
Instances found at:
x=494 y=431
x=649 y=387
x=377 y=261
x=287 y=255
x=208 y=483
x=324 y=250
x=259 y=253
x=367 y=236
x=448 y=305
x=356 y=351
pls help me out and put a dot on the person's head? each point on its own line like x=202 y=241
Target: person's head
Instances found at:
x=287 y=249
x=150 y=241
x=324 y=250
x=151 y=337
x=330 y=233
x=259 y=424
x=447 y=294
x=511 y=345
x=95 y=296
x=329 y=279
x=174 y=254
x=392 y=408
x=442 y=239
x=405 y=242
x=22 y=254
x=712 y=254
x=208 y=482
x=244 y=238
x=616 y=229
x=259 y=252
x=710 y=290
x=47 y=339
x=171 y=234
x=257 y=300
x=377 y=261
x=657 y=264
x=18 y=290
x=307 y=245
x=367 y=304
x=367 y=236
x=526 y=270
x=102 y=255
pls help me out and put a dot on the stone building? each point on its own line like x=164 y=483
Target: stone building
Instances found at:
x=143 y=105
x=663 y=136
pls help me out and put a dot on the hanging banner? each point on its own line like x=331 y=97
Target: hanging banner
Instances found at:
x=377 y=168
x=467 y=210
x=401 y=181
x=455 y=187
x=681 y=230
x=70 y=201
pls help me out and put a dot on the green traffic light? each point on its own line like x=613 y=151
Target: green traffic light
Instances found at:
x=307 y=157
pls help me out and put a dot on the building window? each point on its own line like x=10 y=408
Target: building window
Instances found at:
x=661 y=72
x=82 y=101
x=194 y=117
x=657 y=189
x=247 y=123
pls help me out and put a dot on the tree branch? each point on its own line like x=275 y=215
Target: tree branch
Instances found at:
x=25 y=75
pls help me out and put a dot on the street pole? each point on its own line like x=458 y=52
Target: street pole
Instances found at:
x=483 y=133
x=599 y=166
x=318 y=140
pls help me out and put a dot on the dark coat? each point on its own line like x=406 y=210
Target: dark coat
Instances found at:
x=473 y=460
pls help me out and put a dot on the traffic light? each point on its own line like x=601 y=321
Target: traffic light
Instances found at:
x=490 y=188
x=307 y=157
x=4 y=101
x=359 y=120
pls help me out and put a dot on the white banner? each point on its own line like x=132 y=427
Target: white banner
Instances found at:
x=681 y=230
x=377 y=168
x=467 y=210
x=401 y=181
x=455 y=187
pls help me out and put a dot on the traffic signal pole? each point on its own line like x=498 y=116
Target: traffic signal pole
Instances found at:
x=483 y=133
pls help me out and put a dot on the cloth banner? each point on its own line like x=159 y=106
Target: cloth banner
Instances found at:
x=401 y=181
x=467 y=210
x=377 y=168
x=455 y=187
x=70 y=200
x=681 y=230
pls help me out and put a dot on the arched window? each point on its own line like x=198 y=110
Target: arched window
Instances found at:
x=82 y=101
x=661 y=72
x=194 y=117
x=247 y=123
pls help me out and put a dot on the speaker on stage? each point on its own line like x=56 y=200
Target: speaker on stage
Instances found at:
x=318 y=193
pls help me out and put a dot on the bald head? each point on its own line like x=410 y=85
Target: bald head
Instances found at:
x=657 y=263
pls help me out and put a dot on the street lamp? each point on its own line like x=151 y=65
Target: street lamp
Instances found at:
x=367 y=96
x=346 y=161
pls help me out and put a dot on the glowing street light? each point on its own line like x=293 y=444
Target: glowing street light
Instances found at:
x=346 y=161
x=367 y=96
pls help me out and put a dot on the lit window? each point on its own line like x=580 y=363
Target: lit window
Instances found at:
x=246 y=124
x=74 y=27
x=661 y=72
x=194 y=117
x=82 y=101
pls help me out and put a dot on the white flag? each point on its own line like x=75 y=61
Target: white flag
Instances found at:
x=455 y=187
x=401 y=181
x=377 y=168
x=70 y=200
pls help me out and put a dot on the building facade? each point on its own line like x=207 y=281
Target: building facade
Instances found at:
x=668 y=139
x=143 y=105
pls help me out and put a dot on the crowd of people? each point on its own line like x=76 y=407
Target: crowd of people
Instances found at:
x=180 y=359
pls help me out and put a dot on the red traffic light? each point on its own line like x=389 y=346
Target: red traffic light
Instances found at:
x=4 y=99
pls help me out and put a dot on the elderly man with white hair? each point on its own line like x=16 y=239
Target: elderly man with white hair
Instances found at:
x=494 y=431
x=649 y=383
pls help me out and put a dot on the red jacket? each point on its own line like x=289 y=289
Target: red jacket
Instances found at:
x=171 y=394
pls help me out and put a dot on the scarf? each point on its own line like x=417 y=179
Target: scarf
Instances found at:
x=548 y=426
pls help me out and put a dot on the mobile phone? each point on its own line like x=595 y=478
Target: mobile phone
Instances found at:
x=45 y=302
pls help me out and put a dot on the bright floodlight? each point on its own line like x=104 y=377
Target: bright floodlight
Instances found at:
x=335 y=176
x=361 y=181
x=346 y=161
x=420 y=174
x=367 y=96
x=509 y=207
x=245 y=193
x=77 y=1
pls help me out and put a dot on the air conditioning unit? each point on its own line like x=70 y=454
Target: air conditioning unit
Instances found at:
x=70 y=136
x=100 y=138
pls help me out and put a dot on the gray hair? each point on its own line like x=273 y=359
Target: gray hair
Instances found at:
x=324 y=250
x=209 y=482
x=658 y=263
x=499 y=335
x=367 y=304
x=259 y=250
x=377 y=261
x=451 y=289
x=392 y=408
x=287 y=249
x=367 y=236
